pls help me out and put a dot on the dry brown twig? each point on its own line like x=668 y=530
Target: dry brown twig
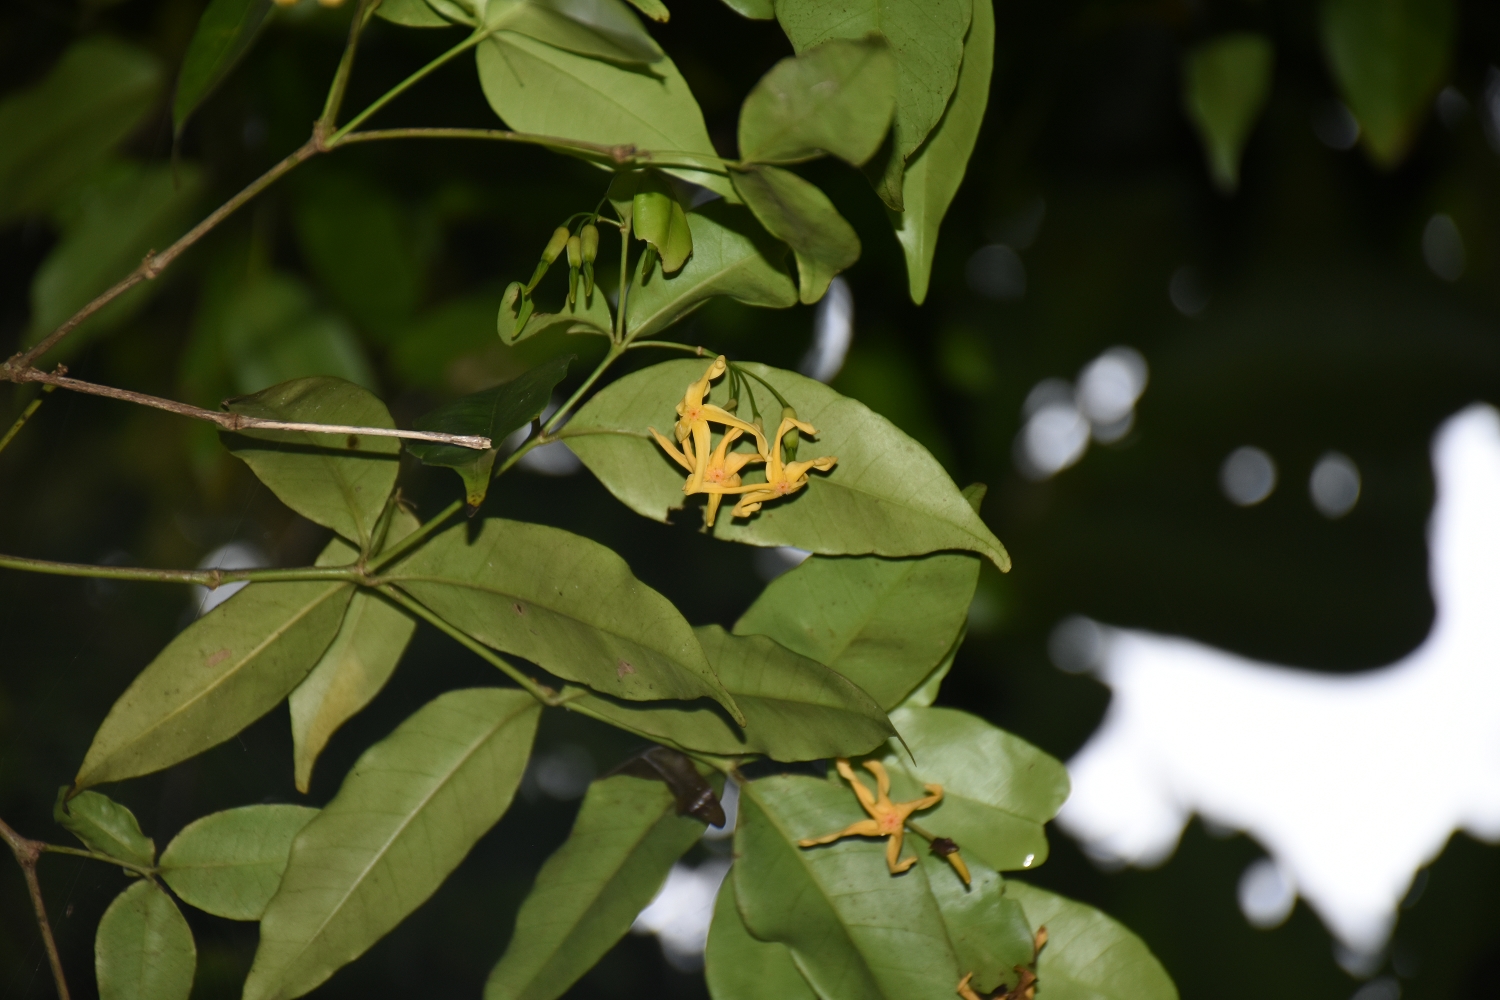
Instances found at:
x=27 y=852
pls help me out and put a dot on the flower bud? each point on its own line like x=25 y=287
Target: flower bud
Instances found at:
x=792 y=438
x=575 y=252
x=588 y=238
x=556 y=244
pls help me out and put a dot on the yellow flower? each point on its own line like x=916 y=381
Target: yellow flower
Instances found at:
x=887 y=818
x=782 y=478
x=723 y=466
x=693 y=417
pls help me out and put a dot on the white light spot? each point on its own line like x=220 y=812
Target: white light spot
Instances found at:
x=730 y=800
x=1384 y=988
x=1266 y=894
x=1186 y=291
x=1026 y=863
x=1334 y=485
x=1055 y=437
x=1335 y=125
x=833 y=332
x=1443 y=247
x=771 y=563
x=563 y=772
x=1109 y=386
x=1247 y=476
x=681 y=912
x=235 y=555
x=1077 y=645
x=996 y=272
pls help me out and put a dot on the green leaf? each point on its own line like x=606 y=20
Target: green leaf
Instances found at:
x=225 y=33
x=357 y=239
x=885 y=624
x=624 y=841
x=356 y=664
x=600 y=29
x=108 y=227
x=143 y=949
x=536 y=88
x=275 y=331
x=408 y=813
x=586 y=314
x=836 y=98
x=926 y=693
x=927 y=39
x=732 y=256
x=998 y=790
x=756 y=10
x=59 y=130
x=565 y=603
x=230 y=863
x=795 y=708
x=887 y=496
x=220 y=674
x=1225 y=83
x=799 y=214
x=739 y=967
x=1089 y=956
x=855 y=931
x=1388 y=57
x=104 y=826
x=935 y=170
x=658 y=218
x=412 y=14
x=654 y=9
x=338 y=481
x=987 y=929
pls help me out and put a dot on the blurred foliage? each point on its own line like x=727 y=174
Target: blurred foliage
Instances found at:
x=1317 y=324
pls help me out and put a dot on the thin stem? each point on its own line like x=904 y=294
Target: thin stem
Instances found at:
x=540 y=692
x=623 y=155
x=779 y=398
x=416 y=538
x=669 y=345
x=614 y=352
x=27 y=852
x=535 y=441
x=405 y=85
x=210 y=578
x=15 y=428
x=237 y=421
x=329 y=118
x=140 y=870
x=624 y=298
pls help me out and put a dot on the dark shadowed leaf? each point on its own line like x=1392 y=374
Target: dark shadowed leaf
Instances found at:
x=408 y=813
x=691 y=792
x=835 y=98
x=492 y=413
x=1225 y=83
x=230 y=863
x=883 y=623
x=740 y=967
x=225 y=33
x=624 y=841
x=799 y=214
x=143 y=949
x=339 y=481
x=104 y=826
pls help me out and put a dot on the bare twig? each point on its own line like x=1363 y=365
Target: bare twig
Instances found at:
x=27 y=852
x=236 y=421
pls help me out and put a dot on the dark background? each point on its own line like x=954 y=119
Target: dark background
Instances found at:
x=1323 y=329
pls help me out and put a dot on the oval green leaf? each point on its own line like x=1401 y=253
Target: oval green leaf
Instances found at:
x=657 y=216
x=795 y=708
x=144 y=949
x=837 y=97
x=220 y=674
x=887 y=496
x=882 y=623
x=104 y=826
x=600 y=29
x=408 y=813
x=225 y=33
x=412 y=14
x=1225 y=83
x=230 y=863
x=739 y=967
x=566 y=603
x=799 y=214
x=624 y=841
x=336 y=480
x=1089 y=956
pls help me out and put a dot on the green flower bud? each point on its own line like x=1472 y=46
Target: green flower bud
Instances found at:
x=575 y=252
x=791 y=438
x=589 y=239
x=556 y=244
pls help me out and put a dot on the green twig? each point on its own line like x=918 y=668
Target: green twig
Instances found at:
x=416 y=538
x=27 y=852
x=669 y=345
x=77 y=852
x=779 y=398
x=209 y=578
x=615 y=350
x=26 y=414
x=405 y=85
x=340 y=84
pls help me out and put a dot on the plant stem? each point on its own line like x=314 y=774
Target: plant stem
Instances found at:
x=416 y=538
x=210 y=578
x=27 y=852
x=614 y=352
x=340 y=84
x=26 y=414
x=96 y=856
x=745 y=371
x=390 y=95
x=540 y=692
x=623 y=155
x=624 y=281
x=669 y=345
x=235 y=421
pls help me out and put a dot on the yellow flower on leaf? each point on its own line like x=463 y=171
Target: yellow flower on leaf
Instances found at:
x=887 y=818
x=693 y=418
x=723 y=466
x=782 y=478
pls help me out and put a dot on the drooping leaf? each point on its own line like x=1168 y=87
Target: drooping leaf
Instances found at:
x=935 y=170
x=225 y=33
x=563 y=602
x=109 y=226
x=412 y=14
x=795 y=708
x=338 y=481
x=1225 y=83
x=587 y=314
x=61 y=129
x=998 y=790
x=492 y=413
x=220 y=674
x=623 y=843
x=356 y=665
x=230 y=863
x=799 y=214
x=927 y=39
x=740 y=967
x=887 y=495
x=104 y=826
x=600 y=29
x=1089 y=956
x=692 y=793
x=756 y=10
x=731 y=256
x=658 y=217
x=408 y=813
x=143 y=949
x=837 y=97
x=885 y=624
x=988 y=930
x=1388 y=57
x=926 y=693
x=855 y=931
x=536 y=88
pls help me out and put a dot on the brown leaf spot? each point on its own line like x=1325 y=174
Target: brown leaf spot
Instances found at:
x=624 y=668
x=520 y=608
x=217 y=658
x=353 y=441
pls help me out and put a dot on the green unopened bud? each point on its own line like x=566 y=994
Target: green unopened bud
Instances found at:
x=648 y=261
x=575 y=252
x=732 y=405
x=556 y=244
x=588 y=237
x=792 y=438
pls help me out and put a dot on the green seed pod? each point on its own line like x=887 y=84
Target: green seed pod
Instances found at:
x=589 y=239
x=792 y=438
x=575 y=252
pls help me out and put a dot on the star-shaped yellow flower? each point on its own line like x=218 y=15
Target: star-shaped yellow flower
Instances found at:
x=887 y=818
x=782 y=478
x=723 y=466
x=693 y=417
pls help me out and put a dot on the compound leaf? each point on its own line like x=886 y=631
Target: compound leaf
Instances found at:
x=229 y=863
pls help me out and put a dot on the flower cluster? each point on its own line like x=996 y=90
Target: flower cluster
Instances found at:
x=716 y=471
